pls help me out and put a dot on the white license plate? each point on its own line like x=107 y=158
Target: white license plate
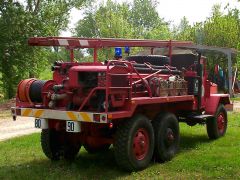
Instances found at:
x=73 y=126
x=41 y=123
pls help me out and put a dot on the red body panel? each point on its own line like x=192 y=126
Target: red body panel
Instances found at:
x=130 y=108
x=213 y=101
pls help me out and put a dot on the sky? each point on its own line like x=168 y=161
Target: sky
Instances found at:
x=172 y=10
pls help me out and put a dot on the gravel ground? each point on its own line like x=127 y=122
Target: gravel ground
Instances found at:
x=25 y=125
x=236 y=106
x=22 y=126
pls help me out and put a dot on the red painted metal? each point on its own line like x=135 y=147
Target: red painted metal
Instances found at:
x=89 y=95
x=95 y=50
x=214 y=100
x=71 y=55
x=23 y=90
x=130 y=108
x=221 y=122
x=141 y=144
x=170 y=52
x=152 y=49
x=103 y=42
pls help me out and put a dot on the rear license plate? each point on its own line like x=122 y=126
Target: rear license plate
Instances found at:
x=73 y=126
x=41 y=123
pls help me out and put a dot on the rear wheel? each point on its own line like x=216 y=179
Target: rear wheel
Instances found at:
x=71 y=147
x=134 y=143
x=56 y=144
x=166 y=131
x=217 y=126
x=51 y=144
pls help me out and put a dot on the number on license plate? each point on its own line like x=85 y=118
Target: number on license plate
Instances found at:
x=41 y=123
x=73 y=126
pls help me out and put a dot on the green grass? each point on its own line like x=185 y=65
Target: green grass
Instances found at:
x=199 y=158
x=235 y=99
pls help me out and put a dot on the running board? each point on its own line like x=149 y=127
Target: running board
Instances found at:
x=201 y=117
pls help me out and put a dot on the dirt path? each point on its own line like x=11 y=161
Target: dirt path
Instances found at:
x=10 y=128
x=236 y=106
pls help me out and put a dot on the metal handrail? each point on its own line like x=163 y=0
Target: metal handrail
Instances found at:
x=108 y=87
x=132 y=69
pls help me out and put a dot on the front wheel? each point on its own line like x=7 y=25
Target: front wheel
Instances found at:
x=134 y=143
x=217 y=126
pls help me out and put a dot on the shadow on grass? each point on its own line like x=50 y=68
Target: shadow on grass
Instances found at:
x=188 y=142
x=86 y=166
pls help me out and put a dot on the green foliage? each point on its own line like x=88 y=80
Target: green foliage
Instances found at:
x=220 y=29
x=183 y=31
x=122 y=20
x=18 y=22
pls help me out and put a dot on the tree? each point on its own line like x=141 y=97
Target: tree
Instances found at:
x=146 y=22
x=183 y=30
x=220 y=29
x=122 y=20
x=18 y=22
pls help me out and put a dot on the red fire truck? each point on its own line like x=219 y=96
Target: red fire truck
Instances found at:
x=134 y=102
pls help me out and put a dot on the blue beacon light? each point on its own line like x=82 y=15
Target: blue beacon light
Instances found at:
x=118 y=52
x=127 y=50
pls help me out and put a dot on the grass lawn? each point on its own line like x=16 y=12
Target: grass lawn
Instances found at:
x=235 y=99
x=199 y=158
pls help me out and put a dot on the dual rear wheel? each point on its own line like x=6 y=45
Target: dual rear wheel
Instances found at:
x=138 y=141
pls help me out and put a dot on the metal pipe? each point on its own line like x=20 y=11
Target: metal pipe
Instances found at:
x=95 y=55
x=71 y=55
x=229 y=55
x=199 y=73
x=170 y=52
x=56 y=97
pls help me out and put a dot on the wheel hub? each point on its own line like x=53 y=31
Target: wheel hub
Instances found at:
x=170 y=136
x=221 y=123
x=140 y=144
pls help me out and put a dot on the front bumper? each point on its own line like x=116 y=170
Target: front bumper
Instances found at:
x=61 y=115
x=228 y=107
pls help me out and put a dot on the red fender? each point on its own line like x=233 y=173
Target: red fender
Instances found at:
x=214 y=100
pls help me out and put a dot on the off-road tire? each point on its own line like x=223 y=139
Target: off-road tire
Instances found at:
x=71 y=149
x=212 y=123
x=124 y=142
x=166 y=147
x=54 y=149
x=50 y=144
